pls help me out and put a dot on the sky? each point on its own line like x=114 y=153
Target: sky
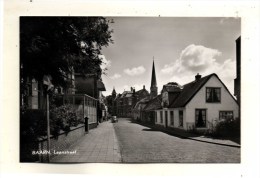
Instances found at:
x=180 y=47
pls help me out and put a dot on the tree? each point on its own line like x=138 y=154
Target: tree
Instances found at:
x=57 y=45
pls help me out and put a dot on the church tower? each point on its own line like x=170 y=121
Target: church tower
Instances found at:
x=153 y=88
x=114 y=93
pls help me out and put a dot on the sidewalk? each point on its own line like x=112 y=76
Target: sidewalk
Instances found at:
x=187 y=135
x=99 y=145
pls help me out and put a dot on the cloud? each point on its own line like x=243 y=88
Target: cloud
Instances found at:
x=135 y=71
x=105 y=62
x=193 y=58
x=199 y=59
x=115 y=76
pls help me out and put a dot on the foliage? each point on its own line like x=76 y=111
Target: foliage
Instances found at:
x=58 y=45
x=225 y=128
x=32 y=125
x=62 y=118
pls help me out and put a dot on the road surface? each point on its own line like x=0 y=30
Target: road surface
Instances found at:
x=140 y=144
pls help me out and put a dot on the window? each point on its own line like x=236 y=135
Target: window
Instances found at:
x=225 y=115
x=155 y=115
x=200 y=117
x=180 y=118
x=172 y=117
x=161 y=116
x=213 y=95
x=130 y=101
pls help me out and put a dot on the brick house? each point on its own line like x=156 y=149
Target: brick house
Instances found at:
x=128 y=99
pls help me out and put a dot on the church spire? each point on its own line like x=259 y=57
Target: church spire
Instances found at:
x=153 y=88
x=114 y=92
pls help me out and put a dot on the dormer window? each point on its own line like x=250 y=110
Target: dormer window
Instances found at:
x=213 y=95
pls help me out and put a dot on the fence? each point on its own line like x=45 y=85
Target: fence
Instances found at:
x=84 y=105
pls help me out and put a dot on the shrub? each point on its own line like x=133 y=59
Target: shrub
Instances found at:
x=62 y=118
x=229 y=127
x=32 y=125
x=225 y=128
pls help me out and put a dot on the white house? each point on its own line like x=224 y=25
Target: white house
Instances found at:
x=197 y=105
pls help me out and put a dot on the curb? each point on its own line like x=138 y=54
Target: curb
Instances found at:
x=186 y=137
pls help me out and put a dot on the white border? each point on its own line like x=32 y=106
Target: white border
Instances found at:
x=247 y=10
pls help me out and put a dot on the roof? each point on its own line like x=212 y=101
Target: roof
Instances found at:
x=117 y=96
x=154 y=104
x=126 y=94
x=142 y=101
x=100 y=86
x=172 y=87
x=142 y=90
x=189 y=90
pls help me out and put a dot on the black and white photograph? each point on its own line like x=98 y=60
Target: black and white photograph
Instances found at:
x=130 y=89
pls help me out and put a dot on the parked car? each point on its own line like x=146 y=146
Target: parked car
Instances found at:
x=114 y=119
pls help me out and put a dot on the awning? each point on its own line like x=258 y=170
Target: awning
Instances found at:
x=100 y=86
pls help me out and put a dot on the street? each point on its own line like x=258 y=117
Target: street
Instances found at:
x=129 y=142
x=139 y=144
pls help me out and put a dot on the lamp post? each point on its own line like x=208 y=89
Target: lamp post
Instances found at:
x=48 y=84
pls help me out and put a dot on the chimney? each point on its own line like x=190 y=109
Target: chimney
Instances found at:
x=197 y=77
x=143 y=87
x=131 y=88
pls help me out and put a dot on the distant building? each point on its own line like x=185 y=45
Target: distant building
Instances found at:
x=138 y=109
x=149 y=112
x=127 y=100
x=110 y=102
x=197 y=104
x=237 y=87
x=129 y=103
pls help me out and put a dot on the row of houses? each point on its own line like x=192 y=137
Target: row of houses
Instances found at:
x=123 y=104
x=195 y=105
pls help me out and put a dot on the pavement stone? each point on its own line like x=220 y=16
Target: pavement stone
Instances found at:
x=185 y=134
x=139 y=144
x=98 y=146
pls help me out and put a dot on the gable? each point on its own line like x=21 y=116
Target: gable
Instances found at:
x=227 y=101
x=191 y=89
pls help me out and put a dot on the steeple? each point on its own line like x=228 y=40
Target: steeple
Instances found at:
x=114 y=92
x=153 y=88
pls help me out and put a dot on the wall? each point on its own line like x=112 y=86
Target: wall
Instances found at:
x=63 y=141
x=212 y=109
x=175 y=116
